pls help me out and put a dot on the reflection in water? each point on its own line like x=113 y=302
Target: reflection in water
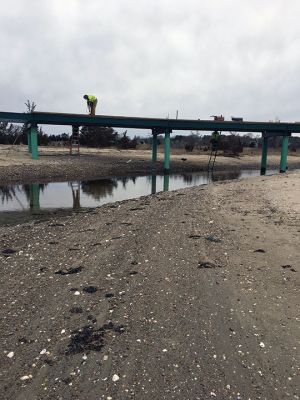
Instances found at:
x=34 y=196
x=74 y=195
x=125 y=180
x=16 y=193
x=99 y=188
x=214 y=176
x=75 y=187
x=166 y=182
x=8 y=193
x=187 y=178
x=153 y=184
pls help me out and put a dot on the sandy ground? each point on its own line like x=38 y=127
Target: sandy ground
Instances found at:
x=55 y=164
x=192 y=294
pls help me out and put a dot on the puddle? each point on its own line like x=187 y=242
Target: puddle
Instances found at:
x=63 y=196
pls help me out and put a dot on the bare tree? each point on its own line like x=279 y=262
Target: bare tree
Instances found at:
x=30 y=105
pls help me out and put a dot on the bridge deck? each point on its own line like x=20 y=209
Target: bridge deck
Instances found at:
x=49 y=118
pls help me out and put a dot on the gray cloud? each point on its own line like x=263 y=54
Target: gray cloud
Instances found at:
x=152 y=58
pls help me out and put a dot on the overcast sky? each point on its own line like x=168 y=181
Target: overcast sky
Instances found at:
x=153 y=57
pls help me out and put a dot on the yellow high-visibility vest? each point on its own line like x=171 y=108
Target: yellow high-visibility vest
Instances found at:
x=91 y=98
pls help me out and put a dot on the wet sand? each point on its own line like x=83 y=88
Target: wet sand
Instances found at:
x=191 y=294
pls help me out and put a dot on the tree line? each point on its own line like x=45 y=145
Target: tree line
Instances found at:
x=88 y=135
x=108 y=137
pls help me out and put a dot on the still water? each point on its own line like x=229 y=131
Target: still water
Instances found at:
x=93 y=193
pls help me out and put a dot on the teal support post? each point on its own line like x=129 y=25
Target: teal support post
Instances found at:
x=166 y=182
x=154 y=146
x=264 y=154
x=34 y=196
x=153 y=184
x=284 y=153
x=29 y=140
x=167 y=152
x=34 y=142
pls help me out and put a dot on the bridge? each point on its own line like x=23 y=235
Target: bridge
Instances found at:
x=157 y=126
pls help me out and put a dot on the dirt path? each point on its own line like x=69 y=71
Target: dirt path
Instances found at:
x=192 y=294
x=56 y=165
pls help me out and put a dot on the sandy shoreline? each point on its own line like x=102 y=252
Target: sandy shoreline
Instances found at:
x=185 y=294
x=57 y=165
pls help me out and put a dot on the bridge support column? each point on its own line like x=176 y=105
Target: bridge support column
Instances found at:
x=34 y=142
x=154 y=146
x=167 y=152
x=264 y=154
x=284 y=153
x=29 y=140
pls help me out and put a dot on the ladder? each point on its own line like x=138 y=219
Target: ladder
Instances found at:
x=74 y=140
x=212 y=158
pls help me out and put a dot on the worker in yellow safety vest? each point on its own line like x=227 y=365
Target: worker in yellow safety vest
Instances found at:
x=91 y=103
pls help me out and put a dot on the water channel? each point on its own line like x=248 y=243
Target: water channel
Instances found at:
x=89 y=194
